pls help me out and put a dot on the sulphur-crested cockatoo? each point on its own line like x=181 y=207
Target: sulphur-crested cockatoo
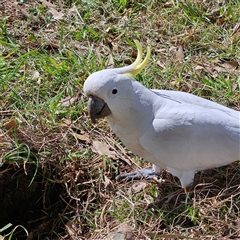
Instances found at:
x=173 y=130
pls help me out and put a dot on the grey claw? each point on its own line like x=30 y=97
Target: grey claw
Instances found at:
x=146 y=173
x=129 y=176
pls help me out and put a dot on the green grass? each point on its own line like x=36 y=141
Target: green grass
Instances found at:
x=43 y=67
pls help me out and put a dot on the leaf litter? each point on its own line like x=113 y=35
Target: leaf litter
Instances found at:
x=66 y=189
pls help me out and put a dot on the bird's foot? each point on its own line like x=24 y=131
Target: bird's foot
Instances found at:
x=147 y=173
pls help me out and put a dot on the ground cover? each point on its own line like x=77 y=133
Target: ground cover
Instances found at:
x=57 y=169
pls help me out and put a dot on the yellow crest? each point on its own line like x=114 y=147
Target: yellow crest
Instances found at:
x=136 y=67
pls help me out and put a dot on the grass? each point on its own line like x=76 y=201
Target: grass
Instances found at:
x=54 y=184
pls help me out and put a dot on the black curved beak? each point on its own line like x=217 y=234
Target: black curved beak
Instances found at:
x=97 y=108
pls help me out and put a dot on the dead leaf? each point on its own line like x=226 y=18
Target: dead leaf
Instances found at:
x=226 y=65
x=180 y=54
x=35 y=75
x=82 y=137
x=51 y=8
x=186 y=35
x=11 y=124
x=68 y=101
x=199 y=67
x=68 y=122
x=103 y=149
x=73 y=9
x=26 y=14
x=110 y=62
x=55 y=14
x=80 y=48
x=138 y=186
x=203 y=66
x=168 y=5
x=51 y=46
x=117 y=236
x=124 y=232
x=48 y=4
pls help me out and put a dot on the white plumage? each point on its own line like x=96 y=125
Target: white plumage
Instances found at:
x=176 y=131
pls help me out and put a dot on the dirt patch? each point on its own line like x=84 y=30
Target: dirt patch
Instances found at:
x=54 y=178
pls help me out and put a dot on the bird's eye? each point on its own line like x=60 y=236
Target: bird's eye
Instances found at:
x=114 y=91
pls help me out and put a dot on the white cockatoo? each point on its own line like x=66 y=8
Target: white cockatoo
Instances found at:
x=173 y=130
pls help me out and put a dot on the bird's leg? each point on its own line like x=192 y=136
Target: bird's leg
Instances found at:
x=147 y=173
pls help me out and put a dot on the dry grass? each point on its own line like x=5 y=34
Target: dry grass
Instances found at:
x=54 y=181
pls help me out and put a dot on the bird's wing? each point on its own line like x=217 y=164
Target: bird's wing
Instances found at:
x=182 y=97
x=185 y=137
